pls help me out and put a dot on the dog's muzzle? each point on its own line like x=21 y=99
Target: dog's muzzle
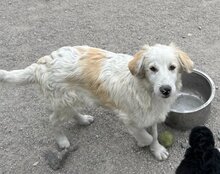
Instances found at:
x=165 y=91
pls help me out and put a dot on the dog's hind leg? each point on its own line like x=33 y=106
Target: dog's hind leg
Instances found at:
x=60 y=137
x=61 y=114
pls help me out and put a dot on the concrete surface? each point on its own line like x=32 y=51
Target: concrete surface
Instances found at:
x=32 y=28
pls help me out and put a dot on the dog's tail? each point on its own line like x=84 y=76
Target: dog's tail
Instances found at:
x=28 y=75
x=22 y=76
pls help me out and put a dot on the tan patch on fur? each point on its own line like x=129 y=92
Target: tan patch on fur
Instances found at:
x=89 y=52
x=185 y=61
x=81 y=49
x=134 y=65
x=91 y=61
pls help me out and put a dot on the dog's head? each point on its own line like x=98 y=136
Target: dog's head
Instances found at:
x=201 y=138
x=161 y=65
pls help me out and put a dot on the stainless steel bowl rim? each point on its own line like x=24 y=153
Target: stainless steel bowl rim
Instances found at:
x=212 y=85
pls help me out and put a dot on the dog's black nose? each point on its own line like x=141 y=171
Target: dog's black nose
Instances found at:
x=165 y=90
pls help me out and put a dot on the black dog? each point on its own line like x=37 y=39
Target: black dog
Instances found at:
x=201 y=157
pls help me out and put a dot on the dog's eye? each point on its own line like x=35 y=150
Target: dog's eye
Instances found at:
x=153 y=68
x=172 y=67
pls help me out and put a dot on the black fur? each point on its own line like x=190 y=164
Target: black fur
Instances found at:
x=201 y=157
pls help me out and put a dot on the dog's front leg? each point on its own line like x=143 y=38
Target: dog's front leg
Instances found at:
x=156 y=148
x=141 y=135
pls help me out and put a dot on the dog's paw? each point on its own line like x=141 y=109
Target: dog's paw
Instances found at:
x=86 y=120
x=159 y=151
x=62 y=142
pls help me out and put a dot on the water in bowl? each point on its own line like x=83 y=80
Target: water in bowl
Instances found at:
x=187 y=102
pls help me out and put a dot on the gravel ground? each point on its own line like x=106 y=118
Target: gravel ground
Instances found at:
x=33 y=28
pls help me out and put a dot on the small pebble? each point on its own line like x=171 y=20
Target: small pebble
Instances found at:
x=216 y=87
x=199 y=27
x=184 y=145
x=171 y=166
x=139 y=37
x=36 y=163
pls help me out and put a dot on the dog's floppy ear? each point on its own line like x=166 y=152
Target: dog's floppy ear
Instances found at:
x=185 y=61
x=136 y=64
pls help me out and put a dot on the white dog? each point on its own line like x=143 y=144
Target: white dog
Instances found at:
x=139 y=88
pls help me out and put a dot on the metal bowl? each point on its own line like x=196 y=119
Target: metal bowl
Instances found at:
x=192 y=106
